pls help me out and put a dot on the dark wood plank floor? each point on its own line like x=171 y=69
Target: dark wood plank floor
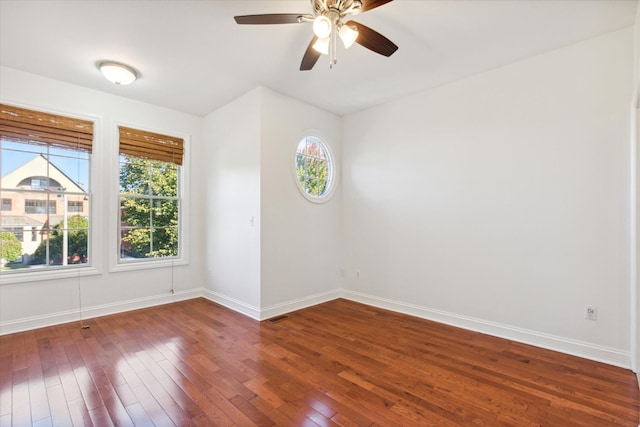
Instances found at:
x=338 y=363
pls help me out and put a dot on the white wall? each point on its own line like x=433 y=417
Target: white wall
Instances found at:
x=232 y=179
x=32 y=304
x=301 y=240
x=290 y=257
x=501 y=202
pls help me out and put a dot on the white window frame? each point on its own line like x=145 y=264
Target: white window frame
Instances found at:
x=116 y=264
x=93 y=267
x=332 y=180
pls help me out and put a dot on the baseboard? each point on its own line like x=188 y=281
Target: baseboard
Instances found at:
x=582 y=349
x=233 y=304
x=260 y=314
x=611 y=356
x=67 y=316
x=300 y=303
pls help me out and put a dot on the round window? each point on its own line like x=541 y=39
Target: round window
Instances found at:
x=314 y=169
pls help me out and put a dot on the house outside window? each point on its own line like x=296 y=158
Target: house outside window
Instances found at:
x=46 y=169
x=6 y=205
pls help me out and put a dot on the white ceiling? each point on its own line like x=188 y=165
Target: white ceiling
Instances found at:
x=194 y=58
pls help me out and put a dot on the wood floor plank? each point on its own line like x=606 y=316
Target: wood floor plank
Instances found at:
x=79 y=413
x=21 y=402
x=151 y=407
x=115 y=408
x=138 y=415
x=335 y=364
x=60 y=414
x=251 y=412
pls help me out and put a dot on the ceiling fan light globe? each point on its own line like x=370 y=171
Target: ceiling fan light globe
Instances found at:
x=322 y=45
x=348 y=34
x=322 y=27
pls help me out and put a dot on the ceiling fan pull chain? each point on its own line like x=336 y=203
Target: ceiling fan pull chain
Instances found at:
x=333 y=57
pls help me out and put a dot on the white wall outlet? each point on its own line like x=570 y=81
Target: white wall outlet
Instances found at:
x=590 y=312
x=357 y=274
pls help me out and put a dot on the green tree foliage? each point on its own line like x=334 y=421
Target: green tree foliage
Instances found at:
x=10 y=247
x=149 y=220
x=311 y=168
x=77 y=246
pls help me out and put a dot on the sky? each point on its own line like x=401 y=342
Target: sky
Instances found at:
x=72 y=163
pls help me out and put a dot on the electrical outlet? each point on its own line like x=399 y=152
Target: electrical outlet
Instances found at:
x=590 y=312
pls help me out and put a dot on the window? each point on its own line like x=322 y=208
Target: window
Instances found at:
x=40 y=183
x=314 y=169
x=75 y=206
x=150 y=199
x=6 y=205
x=40 y=206
x=44 y=163
x=16 y=231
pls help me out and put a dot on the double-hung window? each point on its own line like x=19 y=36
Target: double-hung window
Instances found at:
x=150 y=195
x=45 y=162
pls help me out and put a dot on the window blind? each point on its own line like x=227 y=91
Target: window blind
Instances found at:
x=149 y=145
x=35 y=127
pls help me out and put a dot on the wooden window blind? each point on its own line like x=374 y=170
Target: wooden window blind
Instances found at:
x=35 y=127
x=149 y=145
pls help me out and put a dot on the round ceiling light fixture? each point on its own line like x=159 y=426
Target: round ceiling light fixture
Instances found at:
x=117 y=73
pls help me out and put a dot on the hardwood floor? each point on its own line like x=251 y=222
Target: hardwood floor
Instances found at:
x=338 y=363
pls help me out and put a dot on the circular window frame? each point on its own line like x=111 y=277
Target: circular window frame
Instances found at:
x=333 y=170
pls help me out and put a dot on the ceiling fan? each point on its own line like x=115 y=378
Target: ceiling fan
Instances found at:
x=328 y=25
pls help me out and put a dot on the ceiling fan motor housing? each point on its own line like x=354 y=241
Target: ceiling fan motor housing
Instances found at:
x=341 y=7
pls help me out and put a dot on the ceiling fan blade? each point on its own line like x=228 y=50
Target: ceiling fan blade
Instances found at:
x=372 y=4
x=373 y=40
x=310 y=56
x=270 y=18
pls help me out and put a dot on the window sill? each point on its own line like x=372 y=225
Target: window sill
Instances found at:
x=35 y=276
x=147 y=264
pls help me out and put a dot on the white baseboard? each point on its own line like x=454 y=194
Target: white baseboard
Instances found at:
x=582 y=349
x=300 y=303
x=272 y=310
x=233 y=304
x=35 y=322
x=611 y=356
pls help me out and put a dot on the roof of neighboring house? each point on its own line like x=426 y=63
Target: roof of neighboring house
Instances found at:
x=40 y=166
x=19 y=220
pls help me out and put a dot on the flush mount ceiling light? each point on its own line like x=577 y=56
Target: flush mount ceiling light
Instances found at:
x=117 y=73
x=330 y=23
